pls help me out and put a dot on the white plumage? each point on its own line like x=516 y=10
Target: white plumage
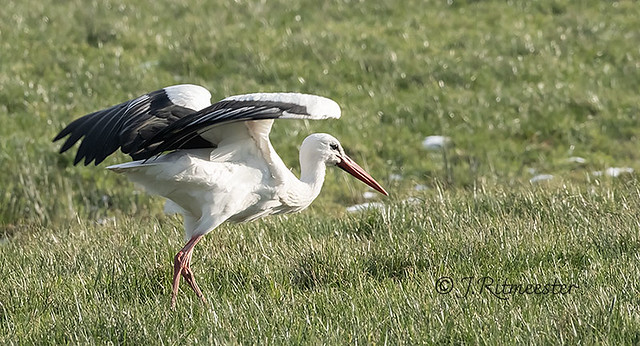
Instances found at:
x=219 y=164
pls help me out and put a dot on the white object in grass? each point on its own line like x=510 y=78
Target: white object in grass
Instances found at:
x=614 y=171
x=435 y=142
x=365 y=206
x=540 y=178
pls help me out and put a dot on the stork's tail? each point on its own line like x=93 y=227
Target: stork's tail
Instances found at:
x=128 y=166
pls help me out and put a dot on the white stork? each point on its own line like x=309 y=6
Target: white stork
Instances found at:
x=220 y=165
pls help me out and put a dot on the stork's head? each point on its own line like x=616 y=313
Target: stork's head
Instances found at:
x=326 y=148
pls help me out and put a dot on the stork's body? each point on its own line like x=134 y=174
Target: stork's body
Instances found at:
x=221 y=165
x=209 y=188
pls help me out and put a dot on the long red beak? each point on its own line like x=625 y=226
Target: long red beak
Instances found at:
x=354 y=169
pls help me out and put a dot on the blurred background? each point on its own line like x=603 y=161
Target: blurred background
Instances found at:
x=516 y=92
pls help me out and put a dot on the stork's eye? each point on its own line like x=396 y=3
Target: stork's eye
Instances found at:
x=333 y=146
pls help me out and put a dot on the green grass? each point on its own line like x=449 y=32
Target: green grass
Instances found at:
x=366 y=278
x=519 y=86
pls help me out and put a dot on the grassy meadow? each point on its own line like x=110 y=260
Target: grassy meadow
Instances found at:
x=479 y=243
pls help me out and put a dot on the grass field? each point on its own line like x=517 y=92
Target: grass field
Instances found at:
x=524 y=90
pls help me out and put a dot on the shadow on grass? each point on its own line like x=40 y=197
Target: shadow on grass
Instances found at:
x=393 y=266
x=318 y=269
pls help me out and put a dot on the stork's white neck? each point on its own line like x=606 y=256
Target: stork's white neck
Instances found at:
x=299 y=193
x=312 y=173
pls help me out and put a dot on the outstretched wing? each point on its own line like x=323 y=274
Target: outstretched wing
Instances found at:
x=258 y=106
x=128 y=125
x=180 y=117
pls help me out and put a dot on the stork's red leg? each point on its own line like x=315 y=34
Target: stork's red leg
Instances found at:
x=182 y=267
x=187 y=274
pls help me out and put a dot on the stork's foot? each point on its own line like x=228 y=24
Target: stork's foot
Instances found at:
x=182 y=267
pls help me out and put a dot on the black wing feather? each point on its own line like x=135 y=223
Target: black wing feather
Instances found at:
x=181 y=132
x=151 y=124
x=93 y=143
x=126 y=126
